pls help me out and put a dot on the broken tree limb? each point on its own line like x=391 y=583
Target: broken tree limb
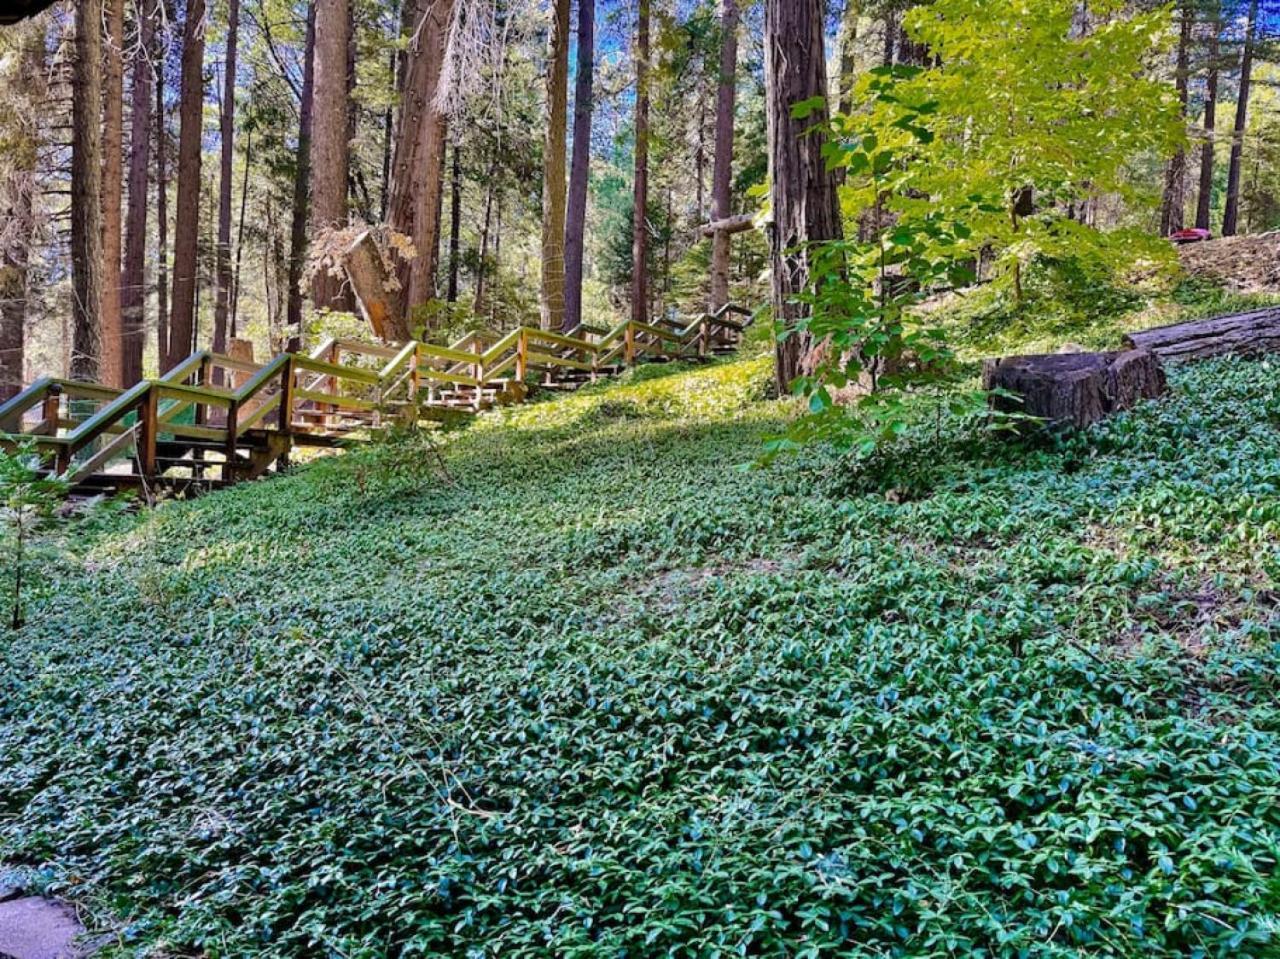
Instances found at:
x=729 y=225
x=1073 y=389
x=1240 y=334
x=373 y=287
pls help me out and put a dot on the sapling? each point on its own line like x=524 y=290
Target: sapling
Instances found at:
x=30 y=498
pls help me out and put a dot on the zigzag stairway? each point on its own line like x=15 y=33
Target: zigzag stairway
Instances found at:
x=214 y=420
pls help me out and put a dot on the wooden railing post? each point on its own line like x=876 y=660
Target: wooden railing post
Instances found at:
x=284 y=421
x=331 y=382
x=415 y=377
x=229 y=469
x=148 y=427
x=203 y=375
x=522 y=356
x=50 y=411
x=629 y=351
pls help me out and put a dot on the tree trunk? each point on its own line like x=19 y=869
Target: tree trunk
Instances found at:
x=722 y=175
x=482 y=270
x=1231 y=216
x=17 y=209
x=580 y=171
x=302 y=176
x=1204 y=199
x=162 y=220
x=86 y=194
x=329 y=146
x=805 y=209
x=133 y=289
x=244 y=202
x=847 y=46
x=416 y=169
x=640 y=195
x=455 y=222
x=112 y=371
x=553 y=171
x=187 y=223
x=222 y=301
x=1174 y=202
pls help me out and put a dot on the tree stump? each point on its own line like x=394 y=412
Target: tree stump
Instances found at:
x=1240 y=334
x=1073 y=389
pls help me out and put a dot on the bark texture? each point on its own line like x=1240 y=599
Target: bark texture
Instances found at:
x=1175 y=180
x=330 y=158
x=187 y=222
x=222 y=301
x=1204 y=197
x=1231 y=214
x=416 y=168
x=553 y=170
x=1074 y=389
x=112 y=371
x=17 y=209
x=133 y=274
x=580 y=171
x=455 y=223
x=162 y=221
x=640 y=194
x=301 y=178
x=805 y=209
x=86 y=191
x=722 y=172
x=1241 y=334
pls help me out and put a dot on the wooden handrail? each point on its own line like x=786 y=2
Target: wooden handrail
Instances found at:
x=397 y=387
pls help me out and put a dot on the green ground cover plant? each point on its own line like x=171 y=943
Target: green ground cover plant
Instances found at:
x=599 y=692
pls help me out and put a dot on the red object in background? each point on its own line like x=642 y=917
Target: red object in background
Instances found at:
x=1194 y=235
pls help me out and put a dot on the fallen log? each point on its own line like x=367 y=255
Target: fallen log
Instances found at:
x=1241 y=334
x=1073 y=389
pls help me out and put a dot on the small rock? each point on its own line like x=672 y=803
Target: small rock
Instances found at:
x=36 y=928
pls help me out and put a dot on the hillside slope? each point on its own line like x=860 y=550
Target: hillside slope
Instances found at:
x=607 y=695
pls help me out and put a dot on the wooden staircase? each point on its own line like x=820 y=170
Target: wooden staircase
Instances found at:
x=185 y=433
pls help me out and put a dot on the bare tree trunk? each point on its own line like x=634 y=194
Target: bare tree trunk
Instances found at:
x=1231 y=216
x=244 y=202
x=847 y=47
x=133 y=279
x=330 y=158
x=640 y=195
x=580 y=172
x=17 y=209
x=302 y=177
x=722 y=174
x=553 y=170
x=1204 y=199
x=416 y=168
x=187 y=224
x=86 y=194
x=162 y=223
x=805 y=208
x=455 y=222
x=388 y=124
x=1175 y=182
x=482 y=270
x=222 y=272
x=112 y=370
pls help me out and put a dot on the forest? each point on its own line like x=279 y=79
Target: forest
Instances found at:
x=628 y=478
